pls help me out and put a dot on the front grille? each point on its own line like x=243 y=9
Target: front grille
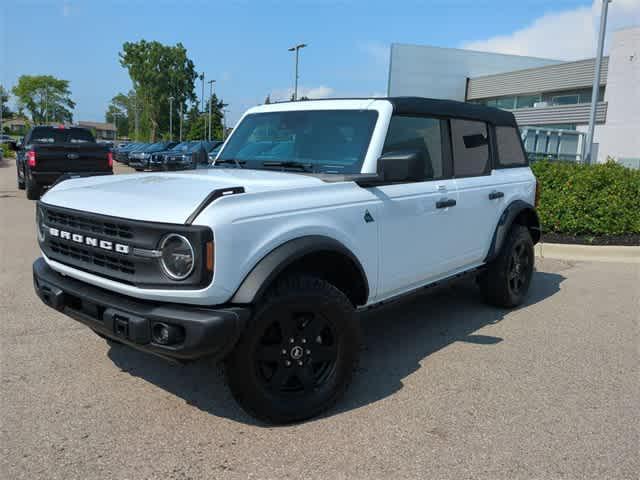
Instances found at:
x=104 y=246
x=93 y=258
x=86 y=224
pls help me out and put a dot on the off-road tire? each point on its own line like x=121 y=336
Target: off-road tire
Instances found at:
x=278 y=401
x=497 y=282
x=33 y=189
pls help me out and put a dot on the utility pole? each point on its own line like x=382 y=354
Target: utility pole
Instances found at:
x=211 y=82
x=201 y=112
x=596 y=83
x=297 y=50
x=115 y=123
x=171 y=119
x=181 y=115
x=135 y=114
x=224 y=123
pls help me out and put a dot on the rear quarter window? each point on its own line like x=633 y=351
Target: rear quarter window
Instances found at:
x=470 y=142
x=510 y=152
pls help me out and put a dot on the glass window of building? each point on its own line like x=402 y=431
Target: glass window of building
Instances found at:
x=527 y=101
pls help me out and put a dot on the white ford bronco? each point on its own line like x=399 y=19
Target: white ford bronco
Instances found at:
x=312 y=211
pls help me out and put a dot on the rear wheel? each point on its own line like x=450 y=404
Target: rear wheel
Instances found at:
x=33 y=189
x=507 y=279
x=20 y=180
x=298 y=353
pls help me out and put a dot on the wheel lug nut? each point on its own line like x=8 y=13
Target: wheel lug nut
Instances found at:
x=291 y=340
x=304 y=340
x=308 y=352
x=287 y=363
x=318 y=339
x=284 y=352
x=300 y=363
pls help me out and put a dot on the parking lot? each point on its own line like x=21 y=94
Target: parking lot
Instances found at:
x=447 y=388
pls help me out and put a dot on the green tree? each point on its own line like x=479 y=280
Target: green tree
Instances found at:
x=195 y=125
x=48 y=99
x=121 y=113
x=158 y=72
x=4 y=98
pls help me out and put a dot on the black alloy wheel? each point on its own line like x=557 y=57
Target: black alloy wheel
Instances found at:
x=298 y=353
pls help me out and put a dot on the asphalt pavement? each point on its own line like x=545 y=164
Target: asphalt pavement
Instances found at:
x=448 y=388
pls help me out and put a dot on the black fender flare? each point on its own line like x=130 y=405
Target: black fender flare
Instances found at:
x=271 y=265
x=507 y=218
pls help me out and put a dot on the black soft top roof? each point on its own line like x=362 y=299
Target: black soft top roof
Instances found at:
x=451 y=108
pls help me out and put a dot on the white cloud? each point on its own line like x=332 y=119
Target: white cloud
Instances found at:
x=377 y=51
x=311 y=92
x=566 y=35
x=66 y=8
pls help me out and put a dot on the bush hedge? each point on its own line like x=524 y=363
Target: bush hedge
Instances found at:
x=575 y=199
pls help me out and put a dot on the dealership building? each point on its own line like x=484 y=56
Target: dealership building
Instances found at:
x=551 y=99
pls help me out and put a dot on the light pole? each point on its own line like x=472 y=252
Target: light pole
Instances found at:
x=596 y=83
x=297 y=50
x=115 y=124
x=181 y=115
x=224 y=122
x=211 y=82
x=171 y=119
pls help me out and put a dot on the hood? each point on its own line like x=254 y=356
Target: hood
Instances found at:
x=165 y=197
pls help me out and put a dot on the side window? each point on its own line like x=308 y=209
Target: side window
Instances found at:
x=510 y=153
x=418 y=133
x=470 y=143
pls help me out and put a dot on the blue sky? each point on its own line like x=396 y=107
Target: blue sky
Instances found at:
x=243 y=44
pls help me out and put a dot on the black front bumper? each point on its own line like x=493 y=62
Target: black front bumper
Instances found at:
x=207 y=332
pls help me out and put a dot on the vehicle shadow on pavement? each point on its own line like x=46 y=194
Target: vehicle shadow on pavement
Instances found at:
x=397 y=338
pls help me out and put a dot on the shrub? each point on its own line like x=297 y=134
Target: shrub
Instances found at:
x=575 y=199
x=6 y=151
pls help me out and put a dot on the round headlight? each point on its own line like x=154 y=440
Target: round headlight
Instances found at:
x=177 y=258
x=40 y=227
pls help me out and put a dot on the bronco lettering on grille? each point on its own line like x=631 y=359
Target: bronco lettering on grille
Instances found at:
x=90 y=241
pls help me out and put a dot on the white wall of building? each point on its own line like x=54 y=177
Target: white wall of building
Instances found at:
x=435 y=72
x=620 y=136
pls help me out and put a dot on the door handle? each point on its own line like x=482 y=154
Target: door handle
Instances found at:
x=495 y=195
x=447 y=202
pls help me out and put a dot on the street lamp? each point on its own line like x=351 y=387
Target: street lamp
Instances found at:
x=596 y=83
x=211 y=82
x=297 y=50
x=171 y=119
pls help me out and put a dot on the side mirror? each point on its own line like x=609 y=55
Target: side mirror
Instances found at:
x=401 y=166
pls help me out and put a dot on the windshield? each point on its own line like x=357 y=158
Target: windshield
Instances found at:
x=60 y=135
x=325 y=141
x=182 y=147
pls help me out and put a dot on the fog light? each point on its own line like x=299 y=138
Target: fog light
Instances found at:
x=165 y=334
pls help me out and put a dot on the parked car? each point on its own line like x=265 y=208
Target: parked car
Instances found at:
x=156 y=162
x=48 y=153
x=121 y=155
x=5 y=138
x=214 y=153
x=195 y=154
x=139 y=159
x=342 y=205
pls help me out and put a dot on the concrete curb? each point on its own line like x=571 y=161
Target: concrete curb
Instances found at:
x=589 y=253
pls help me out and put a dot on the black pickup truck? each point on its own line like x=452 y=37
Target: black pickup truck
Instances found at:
x=48 y=153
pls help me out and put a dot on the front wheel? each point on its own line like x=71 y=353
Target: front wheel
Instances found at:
x=508 y=277
x=298 y=353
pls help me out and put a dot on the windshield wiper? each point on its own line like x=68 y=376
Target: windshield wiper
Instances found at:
x=307 y=167
x=235 y=161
